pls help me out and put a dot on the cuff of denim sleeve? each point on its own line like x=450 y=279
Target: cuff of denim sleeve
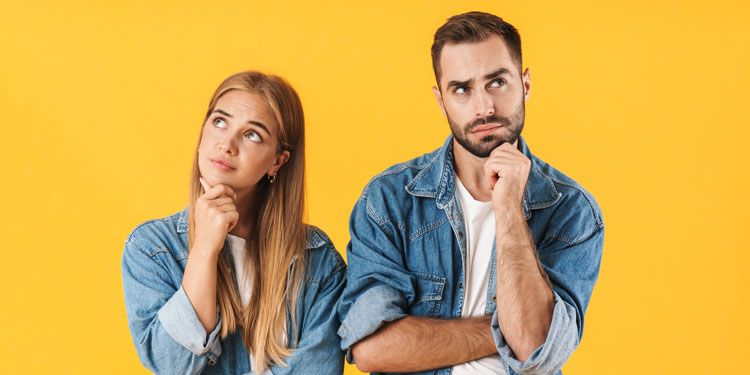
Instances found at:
x=372 y=309
x=548 y=358
x=179 y=319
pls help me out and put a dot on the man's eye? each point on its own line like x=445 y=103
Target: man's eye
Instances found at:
x=498 y=83
x=253 y=136
x=220 y=123
x=461 y=90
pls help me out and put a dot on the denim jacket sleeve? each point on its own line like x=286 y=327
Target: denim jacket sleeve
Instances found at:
x=318 y=349
x=573 y=268
x=379 y=288
x=168 y=336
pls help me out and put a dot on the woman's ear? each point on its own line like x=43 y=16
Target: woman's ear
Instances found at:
x=281 y=158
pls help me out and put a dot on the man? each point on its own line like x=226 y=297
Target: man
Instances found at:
x=478 y=258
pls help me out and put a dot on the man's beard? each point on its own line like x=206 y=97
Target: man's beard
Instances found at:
x=483 y=148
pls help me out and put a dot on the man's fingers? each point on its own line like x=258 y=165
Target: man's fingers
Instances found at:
x=491 y=173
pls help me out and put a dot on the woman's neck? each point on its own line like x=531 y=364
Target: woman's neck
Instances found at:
x=246 y=204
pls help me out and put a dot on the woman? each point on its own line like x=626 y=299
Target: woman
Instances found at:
x=236 y=282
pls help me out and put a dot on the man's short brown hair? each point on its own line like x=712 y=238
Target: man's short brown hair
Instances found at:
x=474 y=27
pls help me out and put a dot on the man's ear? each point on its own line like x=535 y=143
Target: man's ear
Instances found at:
x=526 y=84
x=439 y=99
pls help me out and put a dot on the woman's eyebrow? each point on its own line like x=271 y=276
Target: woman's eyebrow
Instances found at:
x=260 y=125
x=251 y=122
x=223 y=112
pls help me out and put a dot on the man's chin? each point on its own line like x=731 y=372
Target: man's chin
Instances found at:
x=484 y=147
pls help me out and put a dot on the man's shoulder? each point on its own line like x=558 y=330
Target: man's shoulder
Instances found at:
x=576 y=213
x=394 y=179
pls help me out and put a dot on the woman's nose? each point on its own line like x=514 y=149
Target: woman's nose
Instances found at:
x=227 y=145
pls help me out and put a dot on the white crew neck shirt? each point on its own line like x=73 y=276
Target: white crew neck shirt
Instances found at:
x=479 y=223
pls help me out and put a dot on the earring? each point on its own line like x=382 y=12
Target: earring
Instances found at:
x=271 y=178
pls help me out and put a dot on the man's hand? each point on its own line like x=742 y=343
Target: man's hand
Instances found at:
x=506 y=172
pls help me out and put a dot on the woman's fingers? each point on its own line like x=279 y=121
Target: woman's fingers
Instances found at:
x=216 y=191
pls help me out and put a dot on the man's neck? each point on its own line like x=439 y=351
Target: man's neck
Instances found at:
x=469 y=169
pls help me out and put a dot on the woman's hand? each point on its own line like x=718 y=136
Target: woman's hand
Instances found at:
x=215 y=216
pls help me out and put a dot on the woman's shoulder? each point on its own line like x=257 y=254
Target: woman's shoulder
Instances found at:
x=164 y=234
x=323 y=261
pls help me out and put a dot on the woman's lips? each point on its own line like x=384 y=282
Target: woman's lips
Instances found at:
x=221 y=165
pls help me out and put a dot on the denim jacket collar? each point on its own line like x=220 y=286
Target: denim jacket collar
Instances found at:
x=314 y=239
x=436 y=180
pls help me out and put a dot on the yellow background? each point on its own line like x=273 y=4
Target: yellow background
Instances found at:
x=642 y=102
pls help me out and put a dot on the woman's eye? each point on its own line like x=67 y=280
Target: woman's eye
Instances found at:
x=220 y=123
x=253 y=136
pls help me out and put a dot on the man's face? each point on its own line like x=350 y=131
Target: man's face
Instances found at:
x=482 y=93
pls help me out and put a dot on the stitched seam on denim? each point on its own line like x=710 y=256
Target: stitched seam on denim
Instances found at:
x=424 y=168
x=541 y=205
x=432 y=279
x=381 y=220
x=587 y=195
x=152 y=257
x=426 y=229
x=315 y=234
x=136 y=241
x=339 y=266
x=146 y=249
x=581 y=239
x=374 y=214
x=387 y=173
x=435 y=298
x=327 y=280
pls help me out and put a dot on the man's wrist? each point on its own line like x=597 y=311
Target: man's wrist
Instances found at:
x=508 y=213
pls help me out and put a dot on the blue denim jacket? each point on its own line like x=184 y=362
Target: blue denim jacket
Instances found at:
x=407 y=251
x=168 y=336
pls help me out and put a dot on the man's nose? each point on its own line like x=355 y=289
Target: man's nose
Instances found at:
x=483 y=104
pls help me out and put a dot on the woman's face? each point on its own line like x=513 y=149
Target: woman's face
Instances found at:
x=239 y=142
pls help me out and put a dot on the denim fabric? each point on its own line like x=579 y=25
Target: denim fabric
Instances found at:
x=408 y=246
x=168 y=336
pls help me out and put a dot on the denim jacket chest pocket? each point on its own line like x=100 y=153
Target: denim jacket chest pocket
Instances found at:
x=425 y=263
x=429 y=295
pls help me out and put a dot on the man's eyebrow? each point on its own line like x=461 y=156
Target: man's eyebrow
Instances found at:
x=252 y=122
x=455 y=83
x=497 y=73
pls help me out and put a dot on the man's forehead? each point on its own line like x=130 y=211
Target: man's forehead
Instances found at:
x=462 y=61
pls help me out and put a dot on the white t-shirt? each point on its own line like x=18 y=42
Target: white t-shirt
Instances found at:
x=244 y=282
x=479 y=222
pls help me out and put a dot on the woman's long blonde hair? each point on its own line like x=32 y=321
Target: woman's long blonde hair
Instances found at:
x=276 y=246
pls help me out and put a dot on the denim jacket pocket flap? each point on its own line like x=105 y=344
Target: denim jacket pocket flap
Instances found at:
x=429 y=294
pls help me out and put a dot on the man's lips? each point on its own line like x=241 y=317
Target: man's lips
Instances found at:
x=485 y=128
x=222 y=164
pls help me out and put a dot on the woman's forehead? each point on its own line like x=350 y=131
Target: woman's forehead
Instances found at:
x=246 y=106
